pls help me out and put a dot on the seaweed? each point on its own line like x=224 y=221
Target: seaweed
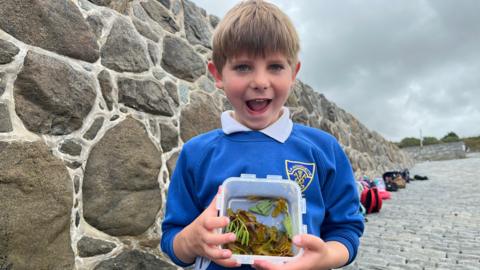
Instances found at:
x=255 y=238
x=264 y=207
x=238 y=226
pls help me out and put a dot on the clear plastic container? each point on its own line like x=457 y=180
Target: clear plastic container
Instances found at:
x=234 y=193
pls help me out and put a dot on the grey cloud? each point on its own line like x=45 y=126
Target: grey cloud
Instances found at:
x=398 y=66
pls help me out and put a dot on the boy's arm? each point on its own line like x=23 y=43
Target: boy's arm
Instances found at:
x=181 y=207
x=343 y=222
x=189 y=231
x=201 y=239
x=338 y=254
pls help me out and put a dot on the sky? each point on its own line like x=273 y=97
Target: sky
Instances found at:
x=402 y=68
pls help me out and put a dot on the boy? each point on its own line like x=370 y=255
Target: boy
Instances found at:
x=255 y=50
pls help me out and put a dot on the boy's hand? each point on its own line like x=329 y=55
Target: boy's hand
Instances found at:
x=199 y=239
x=317 y=255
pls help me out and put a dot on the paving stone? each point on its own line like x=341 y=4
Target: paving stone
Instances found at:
x=431 y=224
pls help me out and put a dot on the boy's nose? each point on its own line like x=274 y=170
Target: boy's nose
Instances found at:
x=260 y=81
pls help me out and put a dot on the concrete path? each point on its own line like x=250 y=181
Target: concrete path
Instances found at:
x=432 y=224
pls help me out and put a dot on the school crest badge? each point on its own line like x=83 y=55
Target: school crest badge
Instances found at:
x=300 y=172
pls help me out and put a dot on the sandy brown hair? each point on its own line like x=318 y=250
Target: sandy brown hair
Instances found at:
x=257 y=28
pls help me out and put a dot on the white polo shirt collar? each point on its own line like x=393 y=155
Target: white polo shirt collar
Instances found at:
x=280 y=130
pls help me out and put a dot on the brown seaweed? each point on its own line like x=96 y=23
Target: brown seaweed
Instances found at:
x=255 y=238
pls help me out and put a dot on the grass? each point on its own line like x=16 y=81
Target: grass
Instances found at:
x=473 y=143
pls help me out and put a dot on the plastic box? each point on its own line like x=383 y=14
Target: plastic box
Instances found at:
x=236 y=189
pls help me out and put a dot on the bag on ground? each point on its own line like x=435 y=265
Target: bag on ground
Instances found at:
x=371 y=200
x=400 y=182
x=391 y=186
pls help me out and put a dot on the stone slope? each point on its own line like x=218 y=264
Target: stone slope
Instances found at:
x=369 y=153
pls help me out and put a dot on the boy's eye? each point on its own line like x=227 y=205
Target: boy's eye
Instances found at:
x=277 y=67
x=242 y=68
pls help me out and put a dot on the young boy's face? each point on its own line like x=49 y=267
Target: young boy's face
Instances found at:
x=256 y=87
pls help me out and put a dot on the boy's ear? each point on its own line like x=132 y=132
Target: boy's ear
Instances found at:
x=296 y=70
x=216 y=74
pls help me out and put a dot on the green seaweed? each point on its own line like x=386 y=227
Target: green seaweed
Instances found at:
x=255 y=238
x=287 y=223
x=263 y=207
x=237 y=226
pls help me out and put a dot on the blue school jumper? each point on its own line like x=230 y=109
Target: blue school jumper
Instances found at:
x=307 y=155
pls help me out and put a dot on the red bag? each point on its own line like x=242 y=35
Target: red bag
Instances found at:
x=385 y=195
x=371 y=200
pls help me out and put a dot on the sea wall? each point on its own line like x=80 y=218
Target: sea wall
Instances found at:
x=440 y=151
x=96 y=100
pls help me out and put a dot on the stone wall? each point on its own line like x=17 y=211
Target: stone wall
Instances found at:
x=440 y=151
x=96 y=99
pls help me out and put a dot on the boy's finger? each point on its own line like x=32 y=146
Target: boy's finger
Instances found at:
x=215 y=239
x=227 y=263
x=213 y=223
x=216 y=253
x=308 y=241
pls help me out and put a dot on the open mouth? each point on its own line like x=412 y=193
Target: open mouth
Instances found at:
x=258 y=105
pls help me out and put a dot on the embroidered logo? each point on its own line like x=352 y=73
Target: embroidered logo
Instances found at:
x=300 y=172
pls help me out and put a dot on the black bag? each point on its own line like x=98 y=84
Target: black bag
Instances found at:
x=388 y=178
x=391 y=186
x=406 y=175
x=419 y=177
